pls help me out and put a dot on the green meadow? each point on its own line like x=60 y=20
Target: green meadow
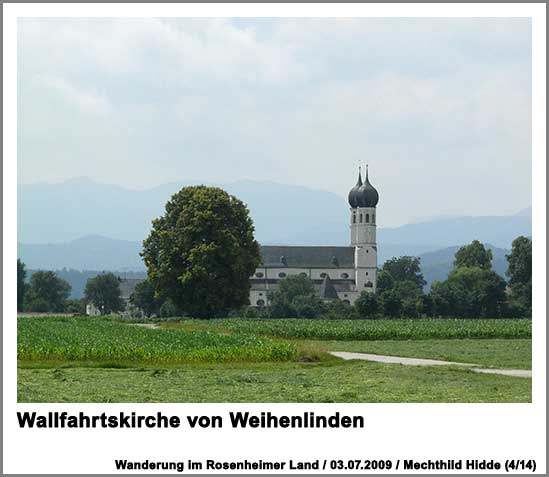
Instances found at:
x=105 y=359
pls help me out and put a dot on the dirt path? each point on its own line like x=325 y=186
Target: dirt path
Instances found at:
x=519 y=373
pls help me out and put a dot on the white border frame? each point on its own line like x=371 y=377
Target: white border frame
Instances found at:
x=393 y=430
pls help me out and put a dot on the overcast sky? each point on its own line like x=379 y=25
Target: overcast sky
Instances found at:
x=439 y=108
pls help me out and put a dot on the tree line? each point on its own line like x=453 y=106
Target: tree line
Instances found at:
x=472 y=290
x=201 y=253
x=46 y=292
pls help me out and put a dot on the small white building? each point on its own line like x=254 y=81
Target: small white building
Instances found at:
x=336 y=272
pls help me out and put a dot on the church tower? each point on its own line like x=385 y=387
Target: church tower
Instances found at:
x=363 y=199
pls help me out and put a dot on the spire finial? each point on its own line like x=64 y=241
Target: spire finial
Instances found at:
x=359 y=181
x=366 y=170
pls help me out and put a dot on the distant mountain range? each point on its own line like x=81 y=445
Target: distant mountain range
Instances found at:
x=53 y=213
x=84 y=225
x=58 y=213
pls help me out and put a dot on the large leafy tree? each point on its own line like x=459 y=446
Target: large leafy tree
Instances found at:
x=404 y=268
x=402 y=277
x=202 y=251
x=46 y=292
x=473 y=255
x=520 y=273
x=470 y=292
x=144 y=298
x=21 y=285
x=103 y=291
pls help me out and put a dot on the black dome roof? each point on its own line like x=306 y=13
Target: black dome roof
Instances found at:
x=363 y=194
x=353 y=193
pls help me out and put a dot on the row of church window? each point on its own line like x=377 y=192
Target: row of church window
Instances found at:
x=283 y=275
x=366 y=217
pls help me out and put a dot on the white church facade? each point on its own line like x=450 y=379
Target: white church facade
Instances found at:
x=336 y=272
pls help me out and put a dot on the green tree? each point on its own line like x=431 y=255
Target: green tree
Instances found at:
x=202 y=251
x=405 y=268
x=21 y=285
x=384 y=281
x=473 y=255
x=411 y=296
x=470 y=292
x=103 y=291
x=519 y=272
x=366 y=305
x=144 y=298
x=391 y=303
x=295 y=297
x=425 y=305
x=46 y=292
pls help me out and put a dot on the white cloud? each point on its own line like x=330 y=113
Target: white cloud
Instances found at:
x=87 y=102
x=293 y=100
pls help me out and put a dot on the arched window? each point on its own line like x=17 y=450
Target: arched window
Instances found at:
x=373 y=218
x=354 y=218
x=367 y=218
x=260 y=302
x=259 y=275
x=281 y=274
x=360 y=218
x=344 y=275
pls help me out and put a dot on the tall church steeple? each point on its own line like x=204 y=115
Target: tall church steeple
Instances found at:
x=363 y=200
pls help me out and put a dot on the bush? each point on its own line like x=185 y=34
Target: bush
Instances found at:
x=339 y=310
x=75 y=306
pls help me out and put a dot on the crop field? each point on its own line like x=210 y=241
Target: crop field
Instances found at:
x=106 y=359
x=422 y=329
x=101 y=339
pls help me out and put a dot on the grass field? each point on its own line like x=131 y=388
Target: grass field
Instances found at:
x=104 y=360
x=488 y=353
x=353 y=381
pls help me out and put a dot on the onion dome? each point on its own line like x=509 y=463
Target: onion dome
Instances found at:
x=353 y=193
x=367 y=195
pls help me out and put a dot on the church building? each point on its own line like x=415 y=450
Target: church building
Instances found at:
x=336 y=272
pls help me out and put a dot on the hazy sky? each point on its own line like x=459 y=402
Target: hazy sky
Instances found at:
x=439 y=108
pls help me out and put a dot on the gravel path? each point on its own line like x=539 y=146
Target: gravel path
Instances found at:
x=518 y=373
x=396 y=359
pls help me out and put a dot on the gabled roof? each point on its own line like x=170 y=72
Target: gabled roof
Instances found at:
x=307 y=257
x=327 y=290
